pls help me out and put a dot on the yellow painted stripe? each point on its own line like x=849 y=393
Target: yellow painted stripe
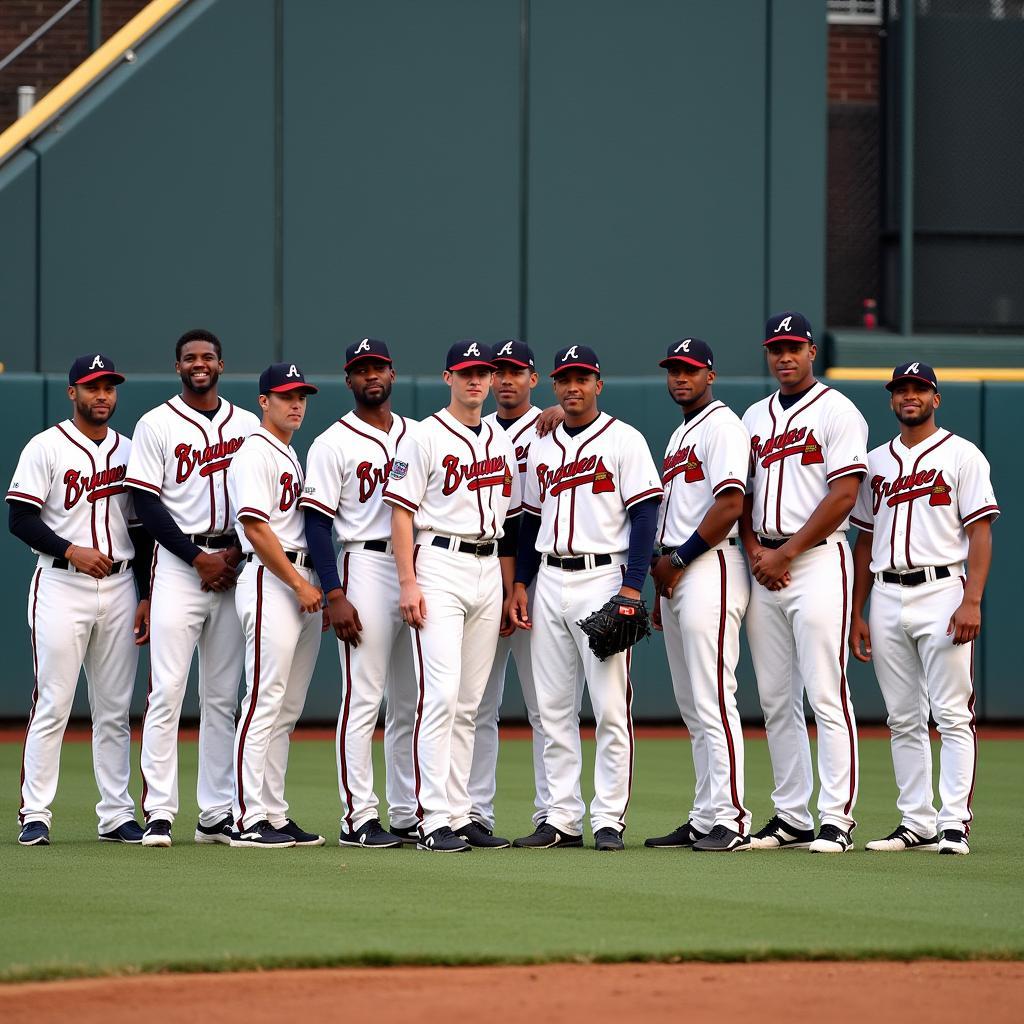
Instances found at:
x=944 y=373
x=94 y=67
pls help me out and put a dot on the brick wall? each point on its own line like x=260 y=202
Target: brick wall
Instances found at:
x=58 y=53
x=853 y=52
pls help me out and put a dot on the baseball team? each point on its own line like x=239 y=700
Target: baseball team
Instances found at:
x=438 y=550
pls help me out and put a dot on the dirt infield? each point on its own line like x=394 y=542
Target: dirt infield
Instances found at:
x=562 y=993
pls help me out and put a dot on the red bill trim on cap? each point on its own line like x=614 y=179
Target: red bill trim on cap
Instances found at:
x=119 y=377
x=295 y=386
x=512 y=362
x=471 y=362
x=911 y=376
x=788 y=337
x=367 y=355
x=575 y=366
x=684 y=359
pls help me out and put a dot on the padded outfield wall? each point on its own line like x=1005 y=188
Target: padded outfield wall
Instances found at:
x=980 y=412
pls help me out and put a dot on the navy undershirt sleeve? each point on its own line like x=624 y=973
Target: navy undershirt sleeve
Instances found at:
x=25 y=522
x=321 y=549
x=527 y=556
x=162 y=527
x=143 y=559
x=508 y=546
x=643 y=523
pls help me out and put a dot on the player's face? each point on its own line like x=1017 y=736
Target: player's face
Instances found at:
x=95 y=401
x=576 y=392
x=687 y=385
x=199 y=367
x=791 y=363
x=914 y=402
x=284 y=410
x=469 y=386
x=512 y=385
x=370 y=382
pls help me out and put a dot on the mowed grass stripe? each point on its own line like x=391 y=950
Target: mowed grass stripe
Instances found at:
x=81 y=907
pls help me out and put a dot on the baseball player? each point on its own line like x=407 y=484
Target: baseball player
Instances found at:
x=591 y=495
x=278 y=602
x=178 y=472
x=68 y=503
x=808 y=448
x=925 y=508
x=454 y=481
x=346 y=470
x=703 y=588
x=514 y=379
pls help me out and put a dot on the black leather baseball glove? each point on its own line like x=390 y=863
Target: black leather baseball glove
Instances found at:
x=616 y=626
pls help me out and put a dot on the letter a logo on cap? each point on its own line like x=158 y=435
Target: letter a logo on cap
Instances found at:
x=684 y=346
x=506 y=349
x=472 y=350
x=292 y=372
x=914 y=368
x=784 y=325
x=97 y=363
x=571 y=354
x=363 y=346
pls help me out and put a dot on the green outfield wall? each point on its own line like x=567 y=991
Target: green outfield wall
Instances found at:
x=984 y=413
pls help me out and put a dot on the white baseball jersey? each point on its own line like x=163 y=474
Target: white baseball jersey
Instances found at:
x=796 y=453
x=917 y=501
x=704 y=457
x=522 y=433
x=608 y=462
x=183 y=457
x=79 y=487
x=455 y=481
x=347 y=468
x=265 y=482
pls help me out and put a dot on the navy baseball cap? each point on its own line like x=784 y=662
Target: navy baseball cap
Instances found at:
x=368 y=348
x=281 y=377
x=789 y=326
x=690 y=350
x=574 y=357
x=913 y=371
x=92 y=367
x=518 y=353
x=464 y=354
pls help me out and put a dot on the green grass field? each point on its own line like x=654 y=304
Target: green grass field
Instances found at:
x=82 y=907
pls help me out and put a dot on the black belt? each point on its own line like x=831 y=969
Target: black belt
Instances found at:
x=376 y=545
x=115 y=569
x=299 y=558
x=464 y=546
x=915 y=577
x=577 y=562
x=776 y=542
x=214 y=540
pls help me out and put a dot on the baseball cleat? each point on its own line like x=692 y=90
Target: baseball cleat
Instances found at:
x=128 y=832
x=684 y=836
x=547 y=837
x=34 y=833
x=262 y=836
x=780 y=835
x=443 y=840
x=158 y=833
x=608 y=839
x=371 y=835
x=903 y=839
x=831 y=839
x=481 y=837
x=722 y=839
x=300 y=835
x=409 y=836
x=953 y=841
x=220 y=832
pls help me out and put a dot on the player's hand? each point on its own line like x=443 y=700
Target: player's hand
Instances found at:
x=141 y=628
x=412 y=605
x=860 y=639
x=666 y=576
x=89 y=561
x=519 y=608
x=656 y=613
x=630 y=592
x=548 y=420
x=310 y=598
x=508 y=627
x=770 y=566
x=965 y=624
x=214 y=571
x=344 y=617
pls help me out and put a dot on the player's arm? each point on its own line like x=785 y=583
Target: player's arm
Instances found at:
x=508 y=547
x=142 y=560
x=342 y=615
x=965 y=623
x=269 y=551
x=860 y=635
x=410 y=597
x=643 y=525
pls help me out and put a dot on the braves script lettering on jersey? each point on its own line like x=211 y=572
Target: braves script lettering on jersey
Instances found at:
x=183 y=457
x=347 y=469
x=705 y=457
x=281 y=641
x=582 y=487
x=798 y=634
x=917 y=504
x=76 y=620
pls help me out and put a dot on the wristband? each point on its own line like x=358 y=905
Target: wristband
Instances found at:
x=690 y=550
